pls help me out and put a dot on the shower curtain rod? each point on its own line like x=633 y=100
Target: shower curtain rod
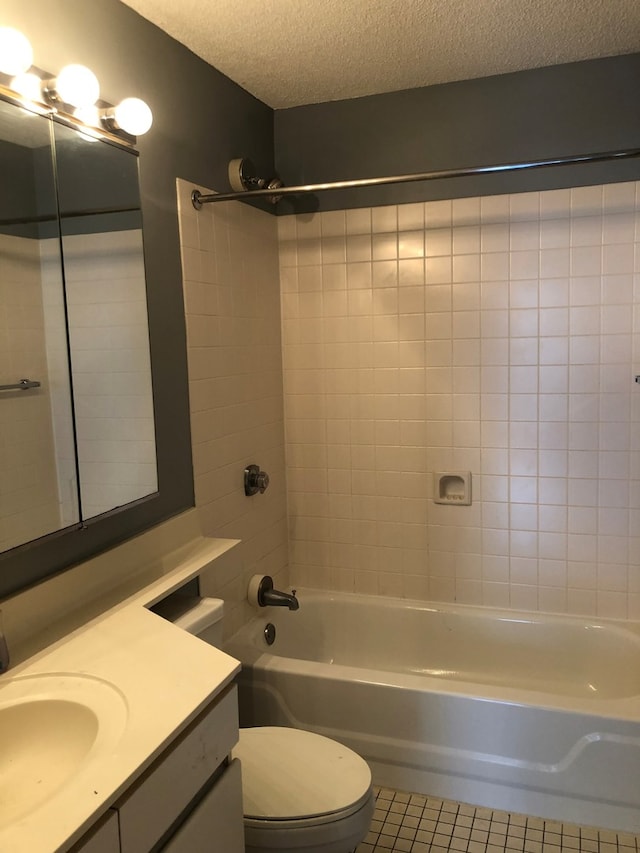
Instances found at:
x=199 y=198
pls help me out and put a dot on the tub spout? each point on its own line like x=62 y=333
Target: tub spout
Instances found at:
x=262 y=593
x=280 y=599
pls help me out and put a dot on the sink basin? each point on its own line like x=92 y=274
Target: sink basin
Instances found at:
x=52 y=728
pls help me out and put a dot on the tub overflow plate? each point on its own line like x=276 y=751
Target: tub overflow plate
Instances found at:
x=269 y=633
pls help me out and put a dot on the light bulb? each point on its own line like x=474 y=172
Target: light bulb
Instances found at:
x=90 y=118
x=29 y=86
x=133 y=116
x=77 y=85
x=88 y=115
x=16 y=53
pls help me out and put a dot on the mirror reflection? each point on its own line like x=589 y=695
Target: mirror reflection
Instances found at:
x=101 y=228
x=38 y=485
x=74 y=318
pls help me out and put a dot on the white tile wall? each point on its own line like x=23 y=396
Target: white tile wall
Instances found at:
x=497 y=335
x=106 y=302
x=232 y=305
x=28 y=486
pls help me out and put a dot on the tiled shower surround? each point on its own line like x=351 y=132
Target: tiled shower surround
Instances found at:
x=497 y=335
x=232 y=307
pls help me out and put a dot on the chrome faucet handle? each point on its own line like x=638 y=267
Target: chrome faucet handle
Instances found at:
x=255 y=480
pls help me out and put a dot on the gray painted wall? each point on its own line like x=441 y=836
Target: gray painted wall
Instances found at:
x=564 y=110
x=201 y=121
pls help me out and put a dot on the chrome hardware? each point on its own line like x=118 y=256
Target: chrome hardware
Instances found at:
x=255 y=480
x=267 y=596
x=23 y=385
x=244 y=181
x=242 y=176
x=274 y=184
x=269 y=633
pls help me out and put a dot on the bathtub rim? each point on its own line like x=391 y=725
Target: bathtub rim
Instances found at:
x=243 y=647
x=509 y=614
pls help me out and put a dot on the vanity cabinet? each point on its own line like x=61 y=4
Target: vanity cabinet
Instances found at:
x=188 y=801
x=103 y=837
x=216 y=822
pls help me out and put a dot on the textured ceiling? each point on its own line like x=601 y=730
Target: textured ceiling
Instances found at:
x=291 y=52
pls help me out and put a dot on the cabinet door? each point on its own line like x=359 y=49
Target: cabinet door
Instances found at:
x=102 y=838
x=215 y=825
x=169 y=786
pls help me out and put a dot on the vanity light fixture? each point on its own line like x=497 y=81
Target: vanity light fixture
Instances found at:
x=131 y=115
x=72 y=95
x=75 y=85
x=28 y=86
x=16 y=53
x=90 y=119
x=88 y=115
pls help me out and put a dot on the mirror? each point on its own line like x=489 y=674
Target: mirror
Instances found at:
x=74 y=319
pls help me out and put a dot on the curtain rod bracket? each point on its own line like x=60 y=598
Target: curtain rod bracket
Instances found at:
x=243 y=179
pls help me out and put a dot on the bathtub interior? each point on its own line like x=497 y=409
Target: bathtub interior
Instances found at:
x=561 y=755
x=546 y=653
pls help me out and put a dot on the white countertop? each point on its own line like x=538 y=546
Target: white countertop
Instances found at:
x=160 y=679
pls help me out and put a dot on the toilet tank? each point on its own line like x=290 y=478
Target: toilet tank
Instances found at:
x=199 y=616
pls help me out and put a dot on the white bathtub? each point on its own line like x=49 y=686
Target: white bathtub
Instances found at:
x=525 y=712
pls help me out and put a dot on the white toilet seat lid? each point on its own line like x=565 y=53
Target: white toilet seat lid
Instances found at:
x=289 y=774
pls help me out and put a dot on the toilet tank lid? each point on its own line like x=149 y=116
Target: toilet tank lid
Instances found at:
x=201 y=615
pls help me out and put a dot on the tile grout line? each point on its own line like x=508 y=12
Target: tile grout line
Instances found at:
x=407 y=822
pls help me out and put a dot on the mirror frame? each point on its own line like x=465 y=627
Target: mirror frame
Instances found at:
x=35 y=561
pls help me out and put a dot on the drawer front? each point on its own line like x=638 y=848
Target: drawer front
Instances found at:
x=215 y=826
x=102 y=838
x=167 y=788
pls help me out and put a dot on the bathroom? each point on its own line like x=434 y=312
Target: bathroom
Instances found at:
x=310 y=528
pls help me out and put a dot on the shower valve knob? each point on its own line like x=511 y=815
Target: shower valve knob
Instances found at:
x=255 y=480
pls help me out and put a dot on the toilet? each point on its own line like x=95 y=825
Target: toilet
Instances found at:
x=301 y=792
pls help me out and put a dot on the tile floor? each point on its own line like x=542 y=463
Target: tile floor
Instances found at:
x=418 y=824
